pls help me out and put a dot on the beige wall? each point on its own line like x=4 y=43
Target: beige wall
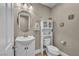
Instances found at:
x=39 y=11
x=70 y=32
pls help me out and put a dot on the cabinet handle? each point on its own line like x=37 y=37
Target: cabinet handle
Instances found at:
x=25 y=48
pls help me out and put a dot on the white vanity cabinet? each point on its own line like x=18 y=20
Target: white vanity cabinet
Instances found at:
x=25 y=50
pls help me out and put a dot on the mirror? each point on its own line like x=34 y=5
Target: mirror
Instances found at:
x=23 y=21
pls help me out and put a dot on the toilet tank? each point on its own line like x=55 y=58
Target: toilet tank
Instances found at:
x=46 y=42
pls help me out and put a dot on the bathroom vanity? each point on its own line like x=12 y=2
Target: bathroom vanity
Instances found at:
x=25 y=46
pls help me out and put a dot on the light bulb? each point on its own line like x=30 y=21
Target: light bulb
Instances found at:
x=25 y=6
x=30 y=7
x=18 y=5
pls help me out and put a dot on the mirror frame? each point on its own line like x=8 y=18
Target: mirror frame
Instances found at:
x=25 y=13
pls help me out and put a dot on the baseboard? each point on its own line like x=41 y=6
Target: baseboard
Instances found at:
x=63 y=54
x=37 y=51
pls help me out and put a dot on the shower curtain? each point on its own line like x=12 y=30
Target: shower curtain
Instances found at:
x=6 y=29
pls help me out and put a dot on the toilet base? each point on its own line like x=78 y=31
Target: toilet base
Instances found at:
x=51 y=54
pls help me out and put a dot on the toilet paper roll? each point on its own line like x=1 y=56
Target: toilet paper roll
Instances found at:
x=63 y=42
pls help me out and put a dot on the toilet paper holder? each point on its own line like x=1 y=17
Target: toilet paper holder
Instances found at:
x=63 y=42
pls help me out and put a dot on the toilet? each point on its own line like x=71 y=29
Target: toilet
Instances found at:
x=50 y=49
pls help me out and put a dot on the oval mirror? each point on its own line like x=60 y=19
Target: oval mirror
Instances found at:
x=23 y=20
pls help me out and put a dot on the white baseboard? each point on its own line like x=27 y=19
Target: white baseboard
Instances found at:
x=63 y=54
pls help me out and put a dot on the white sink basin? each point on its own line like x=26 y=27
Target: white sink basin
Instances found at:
x=25 y=40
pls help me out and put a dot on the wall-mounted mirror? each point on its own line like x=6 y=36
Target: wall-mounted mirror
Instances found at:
x=23 y=21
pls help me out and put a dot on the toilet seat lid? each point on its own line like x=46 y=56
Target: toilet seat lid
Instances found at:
x=52 y=48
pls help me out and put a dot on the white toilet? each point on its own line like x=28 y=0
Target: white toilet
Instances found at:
x=50 y=49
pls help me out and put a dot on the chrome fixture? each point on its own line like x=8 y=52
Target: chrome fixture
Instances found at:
x=24 y=5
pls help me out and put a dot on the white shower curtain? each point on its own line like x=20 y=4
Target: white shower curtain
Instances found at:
x=6 y=29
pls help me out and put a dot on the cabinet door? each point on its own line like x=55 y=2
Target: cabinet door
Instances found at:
x=20 y=50
x=31 y=49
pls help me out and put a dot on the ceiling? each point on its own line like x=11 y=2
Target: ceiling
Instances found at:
x=50 y=5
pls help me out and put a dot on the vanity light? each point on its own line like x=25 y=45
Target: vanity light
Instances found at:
x=18 y=5
x=30 y=7
x=24 y=5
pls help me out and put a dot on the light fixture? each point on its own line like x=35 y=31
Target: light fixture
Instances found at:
x=18 y=5
x=30 y=7
x=24 y=5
